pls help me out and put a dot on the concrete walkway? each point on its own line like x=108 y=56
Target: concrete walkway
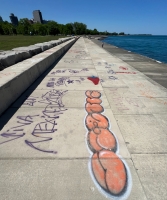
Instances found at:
x=92 y=127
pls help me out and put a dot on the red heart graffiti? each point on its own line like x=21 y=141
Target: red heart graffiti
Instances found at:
x=95 y=80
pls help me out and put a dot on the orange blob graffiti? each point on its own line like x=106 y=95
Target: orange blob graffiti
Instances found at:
x=108 y=169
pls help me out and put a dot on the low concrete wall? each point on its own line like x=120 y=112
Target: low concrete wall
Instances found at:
x=8 y=58
x=17 y=78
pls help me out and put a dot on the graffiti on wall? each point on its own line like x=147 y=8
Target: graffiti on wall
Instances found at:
x=43 y=125
x=110 y=173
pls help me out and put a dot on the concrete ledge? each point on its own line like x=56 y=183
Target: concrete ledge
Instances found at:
x=16 y=79
x=8 y=58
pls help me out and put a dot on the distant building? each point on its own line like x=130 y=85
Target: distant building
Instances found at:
x=13 y=19
x=37 y=16
x=31 y=21
x=45 y=21
x=1 y=20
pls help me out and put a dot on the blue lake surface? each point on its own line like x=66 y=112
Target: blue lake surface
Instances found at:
x=154 y=47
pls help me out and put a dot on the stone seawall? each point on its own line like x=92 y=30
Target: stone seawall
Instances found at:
x=16 y=79
x=8 y=58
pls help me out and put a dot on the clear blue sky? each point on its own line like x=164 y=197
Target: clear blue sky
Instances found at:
x=129 y=16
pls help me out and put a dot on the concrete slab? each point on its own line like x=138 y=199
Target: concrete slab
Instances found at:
x=146 y=88
x=75 y=65
x=156 y=71
x=50 y=131
x=79 y=55
x=56 y=179
x=67 y=83
x=111 y=81
x=127 y=76
x=143 y=133
x=118 y=66
x=124 y=101
x=102 y=61
x=152 y=174
x=76 y=61
x=149 y=67
x=39 y=99
x=72 y=72
x=131 y=57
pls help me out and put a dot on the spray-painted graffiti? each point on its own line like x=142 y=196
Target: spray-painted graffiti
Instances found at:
x=72 y=71
x=125 y=72
x=94 y=79
x=30 y=101
x=123 y=68
x=123 y=103
x=110 y=71
x=148 y=93
x=107 y=65
x=42 y=124
x=63 y=81
x=109 y=172
x=80 y=54
x=2 y=74
x=112 y=77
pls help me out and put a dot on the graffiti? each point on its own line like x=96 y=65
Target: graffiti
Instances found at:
x=43 y=128
x=112 y=77
x=47 y=121
x=85 y=69
x=63 y=81
x=123 y=68
x=109 y=172
x=118 y=100
x=16 y=132
x=94 y=79
x=148 y=93
x=70 y=61
x=125 y=72
x=50 y=84
x=69 y=70
x=58 y=71
x=80 y=54
x=82 y=79
x=30 y=101
x=7 y=74
x=110 y=71
x=77 y=51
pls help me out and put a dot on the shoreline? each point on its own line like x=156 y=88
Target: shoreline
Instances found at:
x=154 y=69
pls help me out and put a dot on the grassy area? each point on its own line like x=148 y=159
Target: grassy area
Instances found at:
x=10 y=42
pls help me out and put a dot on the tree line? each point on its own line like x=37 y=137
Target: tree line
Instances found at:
x=25 y=27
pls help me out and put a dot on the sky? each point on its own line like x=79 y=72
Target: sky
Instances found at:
x=128 y=16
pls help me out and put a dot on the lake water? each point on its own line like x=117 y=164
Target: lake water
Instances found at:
x=154 y=47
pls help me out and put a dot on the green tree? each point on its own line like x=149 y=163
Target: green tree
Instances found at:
x=24 y=26
x=38 y=29
x=95 y=32
x=114 y=33
x=121 y=33
x=80 y=28
x=52 y=28
x=68 y=29
x=1 y=29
